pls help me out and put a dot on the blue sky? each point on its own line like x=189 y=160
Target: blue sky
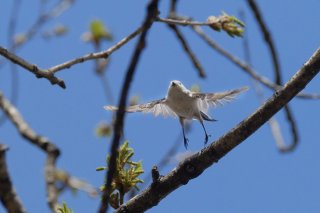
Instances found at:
x=254 y=177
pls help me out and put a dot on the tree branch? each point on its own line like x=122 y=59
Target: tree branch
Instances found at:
x=187 y=49
x=91 y=56
x=39 y=73
x=277 y=72
x=246 y=67
x=193 y=166
x=152 y=12
x=41 y=142
x=8 y=196
x=273 y=123
x=183 y=22
x=268 y=39
x=49 y=73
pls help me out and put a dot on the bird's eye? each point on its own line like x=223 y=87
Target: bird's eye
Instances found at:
x=173 y=83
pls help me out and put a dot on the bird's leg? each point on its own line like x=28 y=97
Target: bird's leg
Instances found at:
x=205 y=132
x=185 y=140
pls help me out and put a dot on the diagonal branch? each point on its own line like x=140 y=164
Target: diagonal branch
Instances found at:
x=39 y=73
x=268 y=39
x=277 y=72
x=41 y=142
x=246 y=67
x=152 y=12
x=92 y=56
x=8 y=196
x=193 y=166
x=183 y=41
x=187 y=49
x=273 y=123
x=49 y=73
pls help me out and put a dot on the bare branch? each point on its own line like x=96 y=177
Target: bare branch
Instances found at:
x=152 y=12
x=41 y=142
x=187 y=49
x=8 y=196
x=278 y=78
x=49 y=73
x=268 y=39
x=193 y=166
x=59 y=8
x=246 y=67
x=91 y=56
x=273 y=123
x=183 y=22
x=14 y=72
x=68 y=181
x=40 y=73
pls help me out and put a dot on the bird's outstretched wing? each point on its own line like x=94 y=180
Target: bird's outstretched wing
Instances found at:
x=157 y=107
x=216 y=99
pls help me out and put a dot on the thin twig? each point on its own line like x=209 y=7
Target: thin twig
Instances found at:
x=14 y=72
x=152 y=12
x=41 y=142
x=184 y=22
x=39 y=73
x=268 y=39
x=8 y=196
x=277 y=72
x=74 y=183
x=183 y=41
x=57 y=9
x=49 y=73
x=97 y=55
x=193 y=166
x=246 y=67
x=187 y=49
x=273 y=123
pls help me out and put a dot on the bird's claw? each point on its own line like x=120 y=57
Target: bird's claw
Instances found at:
x=206 y=139
x=185 y=141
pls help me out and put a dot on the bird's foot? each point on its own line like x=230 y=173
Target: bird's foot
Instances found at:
x=185 y=141
x=206 y=139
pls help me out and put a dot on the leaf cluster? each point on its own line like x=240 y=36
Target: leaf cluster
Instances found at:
x=126 y=175
x=230 y=24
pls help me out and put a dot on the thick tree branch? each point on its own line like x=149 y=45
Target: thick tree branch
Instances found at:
x=41 y=142
x=8 y=196
x=152 y=12
x=193 y=166
x=246 y=67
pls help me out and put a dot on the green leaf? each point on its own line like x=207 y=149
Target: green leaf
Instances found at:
x=99 y=31
x=230 y=24
x=64 y=209
x=104 y=130
x=126 y=174
x=101 y=168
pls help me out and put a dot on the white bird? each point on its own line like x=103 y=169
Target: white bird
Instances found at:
x=185 y=104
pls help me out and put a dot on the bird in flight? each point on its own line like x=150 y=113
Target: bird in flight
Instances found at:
x=185 y=104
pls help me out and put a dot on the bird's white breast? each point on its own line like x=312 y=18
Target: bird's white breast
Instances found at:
x=181 y=103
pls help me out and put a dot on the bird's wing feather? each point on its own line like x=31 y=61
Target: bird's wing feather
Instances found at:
x=157 y=107
x=216 y=99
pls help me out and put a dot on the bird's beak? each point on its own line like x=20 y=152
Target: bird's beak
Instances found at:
x=173 y=84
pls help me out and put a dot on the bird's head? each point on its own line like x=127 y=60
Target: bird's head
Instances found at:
x=176 y=85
